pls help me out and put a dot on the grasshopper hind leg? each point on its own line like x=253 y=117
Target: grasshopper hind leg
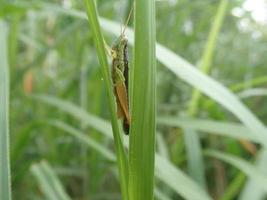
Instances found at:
x=126 y=126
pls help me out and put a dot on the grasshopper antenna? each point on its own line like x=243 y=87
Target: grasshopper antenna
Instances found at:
x=127 y=21
x=120 y=10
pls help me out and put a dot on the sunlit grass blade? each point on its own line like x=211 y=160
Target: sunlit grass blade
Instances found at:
x=257 y=175
x=100 y=47
x=228 y=129
x=5 y=185
x=252 y=189
x=142 y=133
x=254 y=92
x=178 y=181
x=194 y=156
x=159 y=195
x=181 y=181
x=48 y=181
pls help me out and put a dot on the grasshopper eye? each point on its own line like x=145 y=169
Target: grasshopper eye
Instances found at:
x=113 y=54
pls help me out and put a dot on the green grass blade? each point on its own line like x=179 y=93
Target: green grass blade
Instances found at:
x=143 y=126
x=84 y=139
x=181 y=181
x=253 y=92
x=48 y=181
x=5 y=185
x=234 y=187
x=54 y=181
x=43 y=182
x=252 y=189
x=194 y=156
x=99 y=42
x=77 y=112
x=160 y=196
x=13 y=39
x=162 y=147
x=258 y=175
x=228 y=129
x=250 y=83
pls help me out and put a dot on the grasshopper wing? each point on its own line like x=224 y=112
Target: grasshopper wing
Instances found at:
x=123 y=99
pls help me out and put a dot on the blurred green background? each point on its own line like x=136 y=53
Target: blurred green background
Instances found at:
x=51 y=52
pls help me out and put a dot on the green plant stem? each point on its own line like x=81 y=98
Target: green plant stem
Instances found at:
x=142 y=133
x=207 y=58
x=234 y=187
x=249 y=83
x=83 y=103
x=192 y=140
x=5 y=184
x=99 y=42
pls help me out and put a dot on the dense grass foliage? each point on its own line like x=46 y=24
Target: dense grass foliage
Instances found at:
x=198 y=114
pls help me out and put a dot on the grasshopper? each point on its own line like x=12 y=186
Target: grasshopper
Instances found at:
x=120 y=68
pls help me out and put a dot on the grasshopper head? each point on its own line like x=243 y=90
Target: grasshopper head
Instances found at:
x=123 y=40
x=120 y=42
